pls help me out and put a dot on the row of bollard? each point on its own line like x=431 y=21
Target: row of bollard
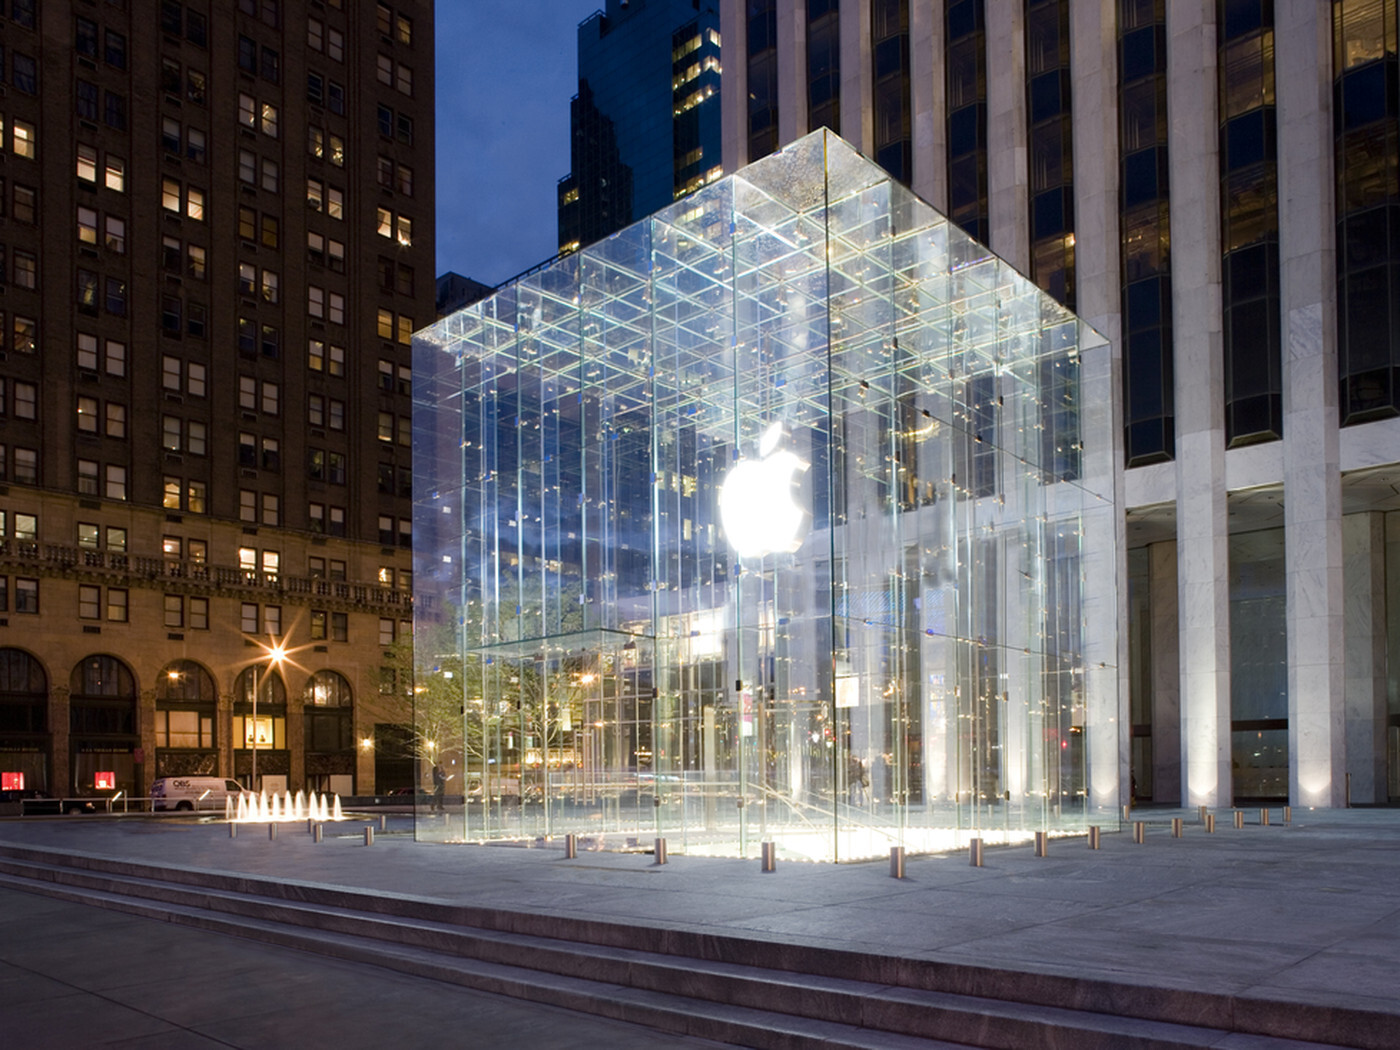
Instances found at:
x=768 y=859
x=314 y=829
x=976 y=846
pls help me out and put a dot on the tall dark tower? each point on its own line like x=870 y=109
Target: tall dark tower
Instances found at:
x=645 y=123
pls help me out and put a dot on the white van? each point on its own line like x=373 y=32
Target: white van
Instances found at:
x=193 y=792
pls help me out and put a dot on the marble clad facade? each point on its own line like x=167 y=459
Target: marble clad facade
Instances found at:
x=1228 y=230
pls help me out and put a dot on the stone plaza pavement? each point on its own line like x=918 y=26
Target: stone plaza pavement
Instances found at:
x=1306 y=913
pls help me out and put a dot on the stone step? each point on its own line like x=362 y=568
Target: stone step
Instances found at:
x=410 y=929
x=666 y=1012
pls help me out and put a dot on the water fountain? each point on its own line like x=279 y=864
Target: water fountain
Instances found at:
x=272 y=809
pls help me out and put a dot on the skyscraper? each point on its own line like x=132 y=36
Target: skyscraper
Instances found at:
x=218 y=225
x=1213 y=185
x=645 y=123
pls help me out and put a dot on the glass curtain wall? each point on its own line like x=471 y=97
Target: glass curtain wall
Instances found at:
x=890 y=103
x=1051 y=140
x=761 y=46
x=1249 y=223
x=965 y=52
x=1367 y=165
x=738 y=527
x=1258 y=667
x=1149 y=414
x=824 y=65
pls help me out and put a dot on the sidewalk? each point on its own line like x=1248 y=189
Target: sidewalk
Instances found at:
x=1308 y=912
x=73 y=976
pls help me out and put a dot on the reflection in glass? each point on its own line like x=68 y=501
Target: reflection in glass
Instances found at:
x=781 y=515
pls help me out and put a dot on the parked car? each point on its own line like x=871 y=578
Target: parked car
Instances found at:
x=34 y=802
x=190 y=793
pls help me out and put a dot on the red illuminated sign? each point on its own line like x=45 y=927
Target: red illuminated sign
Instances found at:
x=104 y=781
x=11 y=781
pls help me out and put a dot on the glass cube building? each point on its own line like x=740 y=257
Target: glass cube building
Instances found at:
x=785 y=514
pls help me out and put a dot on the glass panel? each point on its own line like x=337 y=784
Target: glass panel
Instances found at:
x=1258 y=666
x=742 y=525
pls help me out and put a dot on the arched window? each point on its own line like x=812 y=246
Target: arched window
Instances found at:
x=327 y=689
x=21 y=673
x=186 y=700
x=185 y=682
x=102 y=726
x=329 y=723
x=24 y=722
x=268 y=734
x=24 y=693
x=102 y=676
x=103 y=700
x=271 y=689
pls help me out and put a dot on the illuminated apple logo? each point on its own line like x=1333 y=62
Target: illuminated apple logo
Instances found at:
x=758 y=503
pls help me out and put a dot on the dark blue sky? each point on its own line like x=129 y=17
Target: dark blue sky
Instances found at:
x=506 y=70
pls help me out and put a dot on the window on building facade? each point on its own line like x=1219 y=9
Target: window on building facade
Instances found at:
x=965 y=56
x=1149 y=414
x=761 y=42
x=1249 y=225
x=1367 y=179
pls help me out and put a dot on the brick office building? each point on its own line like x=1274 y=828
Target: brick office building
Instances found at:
x=217 y=234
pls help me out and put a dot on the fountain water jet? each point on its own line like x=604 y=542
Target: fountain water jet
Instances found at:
x=268 y=809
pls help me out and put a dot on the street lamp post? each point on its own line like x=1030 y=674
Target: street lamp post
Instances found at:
x=253 y=780
x=275 y=655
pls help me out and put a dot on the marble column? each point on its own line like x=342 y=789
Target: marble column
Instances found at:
x=734 y=93
x=857 y=117
x=1166 y=671
x=1007 y=202
x=1363 y=552
x=1311 y=457
x=1203 y=562
x=1092 y=25
x=927 y=89
x=792 y=72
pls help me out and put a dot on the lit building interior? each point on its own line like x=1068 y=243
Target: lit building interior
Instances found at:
x=785 y=514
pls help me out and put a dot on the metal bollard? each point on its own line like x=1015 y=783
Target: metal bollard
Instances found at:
x=1239 y=818
x=1093 y=836
x=896 y=862
x=310 y=824
x=1139 y=832
x=1288 y=814
x=1263 y=818
x=570 y=847
x=369 y=836
x=1201 y=814
x=660 y=851
x=232 y=830
x=1128 y=812
x=768 y=856
x=383 y=822
x=974 y=852
x=1176 y=827
x=1210 y=823
x=316 y=833
x=271 y=832
x=1042 y=843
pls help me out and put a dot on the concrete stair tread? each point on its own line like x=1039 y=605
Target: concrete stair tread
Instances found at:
x=673 y=1013
x=892 y=1009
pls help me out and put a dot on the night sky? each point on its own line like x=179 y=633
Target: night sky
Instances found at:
x=506 y=70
